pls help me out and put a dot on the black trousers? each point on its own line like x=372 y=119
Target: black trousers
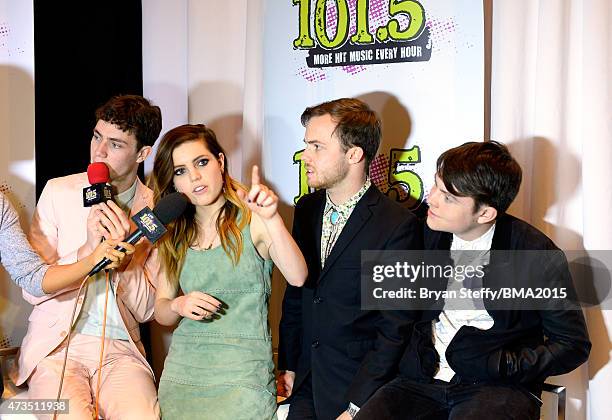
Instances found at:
x=404 y=399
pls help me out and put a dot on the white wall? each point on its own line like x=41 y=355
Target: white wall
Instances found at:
x=16 y=142
x=216 y=69
x=551 y=102
x=164 y=61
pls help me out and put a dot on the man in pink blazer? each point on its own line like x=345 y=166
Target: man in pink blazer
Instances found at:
x=63 y=231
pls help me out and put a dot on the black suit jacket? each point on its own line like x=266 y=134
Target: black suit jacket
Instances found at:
x=348 y=352
x=523 y=346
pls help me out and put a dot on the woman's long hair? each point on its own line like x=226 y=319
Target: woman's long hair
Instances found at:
x=184 y=230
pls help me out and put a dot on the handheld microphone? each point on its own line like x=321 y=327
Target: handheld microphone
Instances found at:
x=151 y=223
x=99 y=191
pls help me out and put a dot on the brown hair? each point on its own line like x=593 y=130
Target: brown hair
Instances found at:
x=134 y=115
x=232 y=218
x=357 y=124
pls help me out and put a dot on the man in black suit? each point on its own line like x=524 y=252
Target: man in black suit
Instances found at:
x=489 y=361
x=332 y=354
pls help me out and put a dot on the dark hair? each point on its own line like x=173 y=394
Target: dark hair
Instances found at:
x=135 y=115
x=357 y=124
x=484 y=171
x=184 y=230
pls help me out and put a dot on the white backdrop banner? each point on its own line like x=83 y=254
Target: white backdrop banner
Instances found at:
x=419 y=64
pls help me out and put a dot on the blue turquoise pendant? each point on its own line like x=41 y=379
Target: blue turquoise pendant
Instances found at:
x=334 y=216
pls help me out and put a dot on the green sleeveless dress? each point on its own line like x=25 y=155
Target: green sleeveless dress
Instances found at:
x=222 y=368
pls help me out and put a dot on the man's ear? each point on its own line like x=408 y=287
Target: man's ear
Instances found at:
x=486 y=214
x=355 y=154
x=143 y=153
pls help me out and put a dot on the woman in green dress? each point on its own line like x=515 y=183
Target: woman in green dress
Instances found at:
x=217 y=263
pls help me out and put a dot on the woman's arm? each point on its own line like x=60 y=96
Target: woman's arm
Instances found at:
x=170 y=307
x=270 y=235
x=280 y=247
x=27 y=268
x=59 y=277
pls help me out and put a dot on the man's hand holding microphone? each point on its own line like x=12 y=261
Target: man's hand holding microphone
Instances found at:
x=107 y=224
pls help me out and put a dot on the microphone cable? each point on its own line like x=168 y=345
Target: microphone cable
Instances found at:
x=103 y=338
x=102 y=345
x=70 y=326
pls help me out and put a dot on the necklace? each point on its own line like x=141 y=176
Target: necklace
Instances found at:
x=212 y=241
x=207 y=248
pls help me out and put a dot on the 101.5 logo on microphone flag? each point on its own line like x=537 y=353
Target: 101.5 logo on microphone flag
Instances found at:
x=149 y=224
x=417 y=63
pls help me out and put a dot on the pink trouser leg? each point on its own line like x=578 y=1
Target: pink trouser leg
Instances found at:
x=127 y=389
x=44 y=383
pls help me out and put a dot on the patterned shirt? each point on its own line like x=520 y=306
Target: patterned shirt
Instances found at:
x=334 y=219
x=470 y=314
